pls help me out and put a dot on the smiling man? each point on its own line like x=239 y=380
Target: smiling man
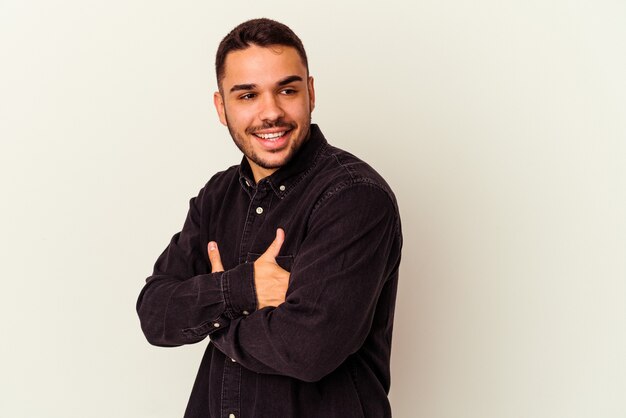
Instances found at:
x=266 y=98
x=288 y=261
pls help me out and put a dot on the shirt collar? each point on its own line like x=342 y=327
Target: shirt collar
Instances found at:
x=287 y=176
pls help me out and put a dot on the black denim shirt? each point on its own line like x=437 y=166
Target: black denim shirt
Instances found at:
x=325 y=351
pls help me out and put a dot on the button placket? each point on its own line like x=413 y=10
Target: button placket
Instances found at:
x=249 y=226
x=231 y=390
x=260 y=202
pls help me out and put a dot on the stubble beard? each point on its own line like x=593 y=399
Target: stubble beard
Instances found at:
x=247 y=150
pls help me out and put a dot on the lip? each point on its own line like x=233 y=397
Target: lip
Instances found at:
x=273 y=144
x=272 y=130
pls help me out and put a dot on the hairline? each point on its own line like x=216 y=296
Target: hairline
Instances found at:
x=250 y=44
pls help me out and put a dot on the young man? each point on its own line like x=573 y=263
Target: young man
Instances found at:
x=288 y=262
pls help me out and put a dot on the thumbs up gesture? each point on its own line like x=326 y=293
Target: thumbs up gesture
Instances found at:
x=270 y=279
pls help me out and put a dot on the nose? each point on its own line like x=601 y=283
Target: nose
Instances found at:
x=271 y=109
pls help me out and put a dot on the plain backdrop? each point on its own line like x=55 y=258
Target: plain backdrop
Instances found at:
x=501 y=126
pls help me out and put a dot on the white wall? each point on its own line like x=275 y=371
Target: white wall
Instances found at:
x=501 y=126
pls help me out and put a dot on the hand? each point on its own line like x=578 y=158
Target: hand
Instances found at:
x=270 y=279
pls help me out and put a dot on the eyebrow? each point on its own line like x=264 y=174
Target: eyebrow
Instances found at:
x=289 y=79
x=237 y=87
x=283 y=82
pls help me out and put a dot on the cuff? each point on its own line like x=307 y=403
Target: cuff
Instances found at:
x=239 y=291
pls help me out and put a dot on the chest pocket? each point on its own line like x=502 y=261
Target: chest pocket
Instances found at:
x=285 y=261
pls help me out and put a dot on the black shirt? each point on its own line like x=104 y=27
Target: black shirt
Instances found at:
x=325 y=351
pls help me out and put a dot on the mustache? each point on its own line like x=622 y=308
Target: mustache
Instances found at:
x=270 y=125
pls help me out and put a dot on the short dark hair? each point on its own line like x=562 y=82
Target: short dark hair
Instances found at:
x=261 y=32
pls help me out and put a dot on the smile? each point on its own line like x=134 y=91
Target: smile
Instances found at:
x=274 y=136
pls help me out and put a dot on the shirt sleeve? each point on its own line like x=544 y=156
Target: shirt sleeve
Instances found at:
x=182 y=301
x=351 y=249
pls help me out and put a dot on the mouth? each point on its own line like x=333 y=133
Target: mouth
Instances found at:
x=272 y=136
x=274 y=139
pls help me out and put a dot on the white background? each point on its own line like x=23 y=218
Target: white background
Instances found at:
x=501 y=126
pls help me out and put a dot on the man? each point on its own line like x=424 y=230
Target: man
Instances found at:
x=288 y=261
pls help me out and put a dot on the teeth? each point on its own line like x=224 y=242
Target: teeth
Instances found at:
x=271 y=136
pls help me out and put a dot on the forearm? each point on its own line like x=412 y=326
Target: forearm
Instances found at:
x=314 y=330
x=182 y=300
x=278 y=341
x=177 y=311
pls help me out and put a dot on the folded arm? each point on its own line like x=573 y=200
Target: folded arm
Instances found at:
x=182 y=302
x=351 y=248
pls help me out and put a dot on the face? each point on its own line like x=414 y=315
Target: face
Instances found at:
x=266 y=101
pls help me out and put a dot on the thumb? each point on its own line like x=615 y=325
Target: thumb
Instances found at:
x=274 y=248
x=214 y=257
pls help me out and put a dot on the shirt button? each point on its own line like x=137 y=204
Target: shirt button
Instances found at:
x=246 y=313
x=247 y=183
x=282 y=188
x=231 y=416
x=259 y=210
x=233 y=360
x=216 y=324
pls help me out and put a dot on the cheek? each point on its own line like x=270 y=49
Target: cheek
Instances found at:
x=239 y=118
x=300 y=110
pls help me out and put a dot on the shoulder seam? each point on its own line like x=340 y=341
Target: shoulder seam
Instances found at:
x=348 y=170
x=360 y=181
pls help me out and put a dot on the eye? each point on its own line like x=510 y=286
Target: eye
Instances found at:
x=288 y=91
x=247 y=96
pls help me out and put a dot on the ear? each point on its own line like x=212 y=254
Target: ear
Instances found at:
x=311 y=86
x=218 y=101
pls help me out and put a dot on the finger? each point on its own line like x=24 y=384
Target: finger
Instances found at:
x=274 y=248
x=214 y=257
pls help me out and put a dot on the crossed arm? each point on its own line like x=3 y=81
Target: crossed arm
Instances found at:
x=332 y=294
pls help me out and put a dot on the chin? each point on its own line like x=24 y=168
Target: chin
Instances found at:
x=272 y=164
